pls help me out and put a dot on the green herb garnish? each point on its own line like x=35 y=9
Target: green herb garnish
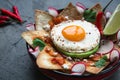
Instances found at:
x=89 y=15
x=101 y=62
x=38 y=42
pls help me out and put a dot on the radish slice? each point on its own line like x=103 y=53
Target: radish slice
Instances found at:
x=78 y=68
x=115 y=54
x=30 y=26
x=108 y=14
x=80 y=7
x=118 y=35
x=53 y=11
x=105 y=47
x=34 y=52
x=76 y=73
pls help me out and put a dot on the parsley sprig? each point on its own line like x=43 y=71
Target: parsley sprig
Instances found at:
x=101 y=62
x=89 y=15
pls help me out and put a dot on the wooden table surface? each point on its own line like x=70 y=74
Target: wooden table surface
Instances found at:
x=15 y=63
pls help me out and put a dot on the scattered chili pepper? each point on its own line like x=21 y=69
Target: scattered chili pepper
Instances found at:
x=10 y=14
x=16 y=11
x=2 y=22
x=4 y=18
x=98 y=21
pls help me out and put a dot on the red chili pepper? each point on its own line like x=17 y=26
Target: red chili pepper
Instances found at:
x=8 y=13
x=98 y=21
x=4 y=18
x=15 y=10
x=2 y=22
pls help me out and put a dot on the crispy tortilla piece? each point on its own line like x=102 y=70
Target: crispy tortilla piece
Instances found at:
x=95 y=70
x=44 y=61
x=71 y=12
x=97 y=7
x=29 y=36
x=41 y=19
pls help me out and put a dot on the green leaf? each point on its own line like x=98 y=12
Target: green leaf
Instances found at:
x=89 y=15
x=101 y=62
x=38 y=42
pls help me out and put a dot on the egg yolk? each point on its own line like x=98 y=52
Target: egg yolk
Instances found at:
x=73 y=33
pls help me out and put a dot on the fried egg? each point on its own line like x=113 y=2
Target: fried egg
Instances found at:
x=75 y=36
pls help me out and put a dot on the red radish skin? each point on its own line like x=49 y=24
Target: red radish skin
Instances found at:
x=80 y=5
x=114 y=54
x=78 y=68
x=79 y=9
x=30 y=26
x=106 y=46
x=53 y=11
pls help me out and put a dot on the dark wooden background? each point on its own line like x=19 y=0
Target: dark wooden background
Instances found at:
x=15 y=63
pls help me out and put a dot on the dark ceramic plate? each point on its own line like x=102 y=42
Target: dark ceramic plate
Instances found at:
x=58 y=75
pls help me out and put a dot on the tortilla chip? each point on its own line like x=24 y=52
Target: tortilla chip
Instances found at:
x=29 y=36
x=41 y=19
x=71 y=12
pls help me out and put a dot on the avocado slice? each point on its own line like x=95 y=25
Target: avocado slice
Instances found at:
x=79 y=55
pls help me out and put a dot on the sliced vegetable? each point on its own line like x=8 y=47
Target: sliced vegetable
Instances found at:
x=80 y=7
x=113 y=24
x=105 y=47
x=53 y=11
x=76 y=73
x=98 y=22
x=101 y=62
x=114 y=54
x=79 y=55
x=118 y=35
x=89 y=15
x=78 y=68
x=34 y=52
x=30 y=26
x=108 y=14
x=38 y=42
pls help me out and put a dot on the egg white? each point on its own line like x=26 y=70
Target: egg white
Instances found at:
x=90 y=41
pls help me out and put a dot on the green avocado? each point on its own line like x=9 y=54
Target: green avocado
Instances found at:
x=79 y=55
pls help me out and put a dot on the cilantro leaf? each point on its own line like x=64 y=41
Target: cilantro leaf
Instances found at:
x=38 y=42
x=89 y=15
x=101 y=62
